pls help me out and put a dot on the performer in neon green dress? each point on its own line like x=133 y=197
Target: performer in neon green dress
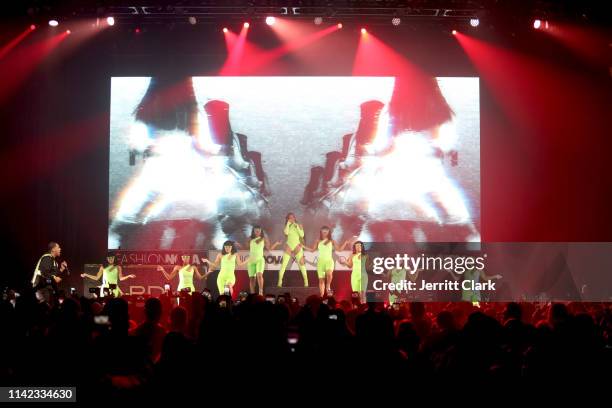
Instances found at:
x=257 y=245
x=110 y=274
x=228 y=260
x=293 y=248
x=475 y=276
x=325 y=245
x=396 y=276
x=357 y=263
x=185 y=272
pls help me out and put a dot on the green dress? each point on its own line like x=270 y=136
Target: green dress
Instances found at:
x=256 y=257
x=469 y=295
x=356 y=278
x=226 y=274
x=294 y=235
x=110 y=275
x=186 y=278
x=325 y=262
x=397 y=275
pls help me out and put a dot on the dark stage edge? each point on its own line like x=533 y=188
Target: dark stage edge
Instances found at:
x=300 y=293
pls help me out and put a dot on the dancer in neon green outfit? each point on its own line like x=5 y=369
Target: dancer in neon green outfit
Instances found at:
x=110 y=274
x=325 y=262
x=257 y=245
x=357 y=263
x=474 y=275
x=185 y=273
x=396 y=275
x=293 y=248
x=228 y=260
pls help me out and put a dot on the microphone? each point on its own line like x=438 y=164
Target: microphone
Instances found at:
x=67 y=270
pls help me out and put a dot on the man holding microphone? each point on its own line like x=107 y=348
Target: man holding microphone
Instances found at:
x=46 y=276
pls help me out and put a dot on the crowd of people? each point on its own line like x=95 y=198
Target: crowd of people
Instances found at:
x=136 y=348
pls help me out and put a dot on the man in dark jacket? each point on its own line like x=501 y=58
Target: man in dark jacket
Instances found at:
x=46 y=277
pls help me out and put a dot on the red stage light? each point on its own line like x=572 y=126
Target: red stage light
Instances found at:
x=53 y=23
x=246 y=25
x=363 y=31
x=270 y=20
x=68 y=31
x=110 y=20
x=225 y=30
x=454 y=32
x=537 y=24
x=339 y=25
x=6 y=48
x=25 y=61
x=137 y=30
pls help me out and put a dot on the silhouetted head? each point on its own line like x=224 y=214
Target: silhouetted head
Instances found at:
x=445 y=320
x=408 y=337
x=153 y=310
x=558 y=314
x=178 y=319
x=417 y=310
x=117 y=311
x=513 y=311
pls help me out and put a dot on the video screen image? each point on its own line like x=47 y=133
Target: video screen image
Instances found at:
x=195 y=161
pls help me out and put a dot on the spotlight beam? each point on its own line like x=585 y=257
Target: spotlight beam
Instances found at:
x=232 y=63
x=291 y=46
x=374 y=57
x=21 y=63
x=591 y=44
x=14 y=42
